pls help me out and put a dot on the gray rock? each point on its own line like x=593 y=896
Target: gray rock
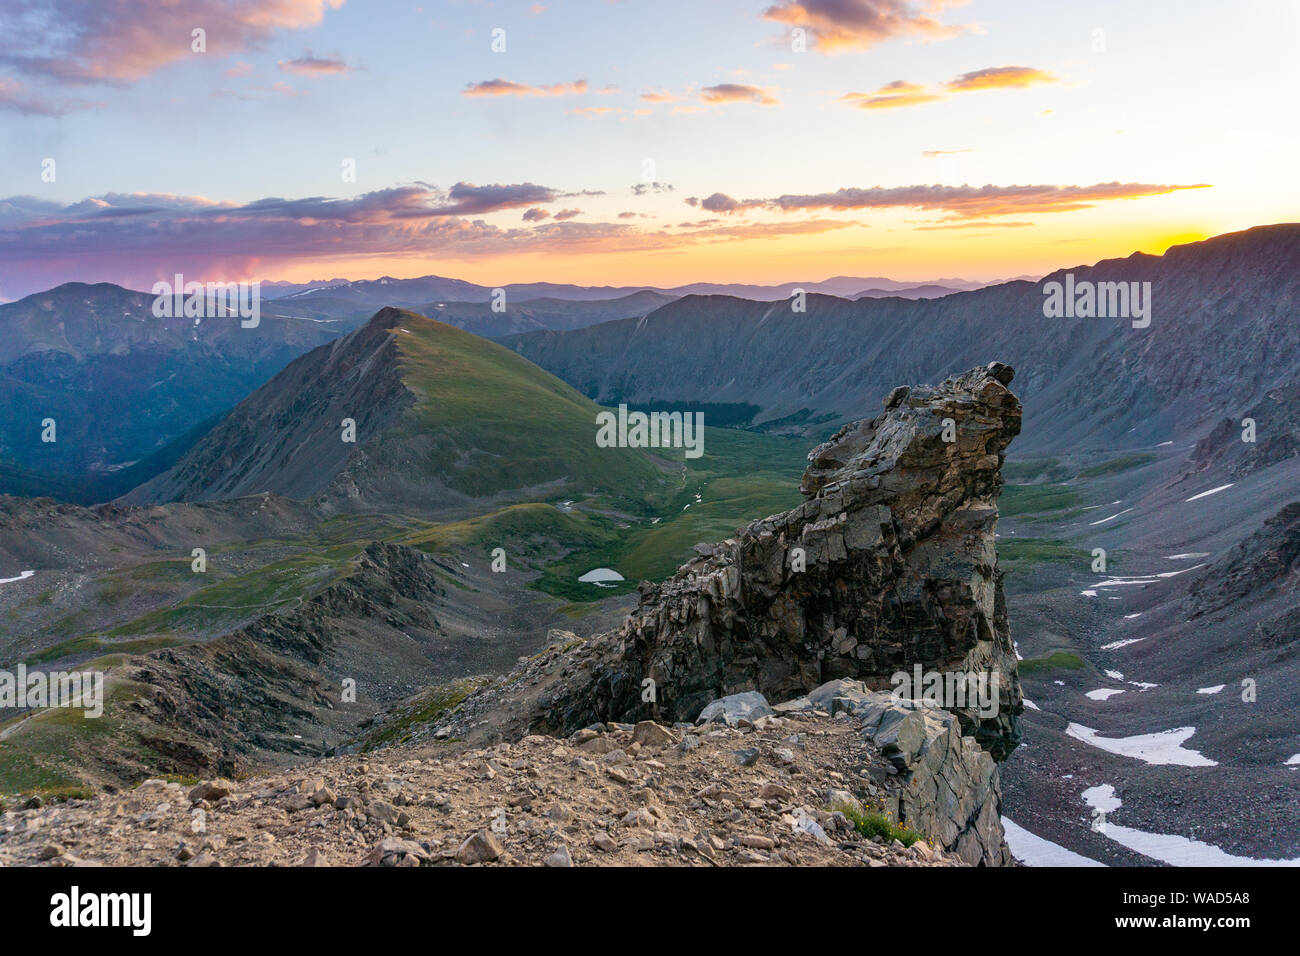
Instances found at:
x=560 y=857
x=734 y=708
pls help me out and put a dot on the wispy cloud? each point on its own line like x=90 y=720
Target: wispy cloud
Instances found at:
x=901 y=93
x=737 y=93
x=1000 y=78
x=958 y=202
x=892 y=96
x=499 y=87
x=16 y=97
x=311 y=65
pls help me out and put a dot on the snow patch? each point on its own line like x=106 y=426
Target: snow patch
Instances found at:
x=1164 y=748
x=1212 y=491
x=1033 y=850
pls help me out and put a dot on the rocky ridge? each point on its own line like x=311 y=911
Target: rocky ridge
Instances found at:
x=841 y=777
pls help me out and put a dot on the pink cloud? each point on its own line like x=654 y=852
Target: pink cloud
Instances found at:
x=500 y=87
x=843 y=26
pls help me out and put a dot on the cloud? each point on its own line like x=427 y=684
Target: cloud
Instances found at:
x=970 y=202
x=1000 y=78
x=659 y=96
x=499 y=87
x=931 y=153
x=722 y=203
x=891 y=96
x=592 y=112
x=92 y=41
x=737 y=93
x=842 y=26
x=468 y=199
x=136 y=238
x=902 y=93
x=15 y=97
x=976 y=224
x=310 y=65
x=641 y=189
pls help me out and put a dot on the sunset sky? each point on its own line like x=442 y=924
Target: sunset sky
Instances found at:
x=635 y=142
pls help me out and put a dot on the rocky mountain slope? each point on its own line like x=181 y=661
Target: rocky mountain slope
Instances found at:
x=779 y=791
x=1222 y=334
x=442 y=419
x=121 y=384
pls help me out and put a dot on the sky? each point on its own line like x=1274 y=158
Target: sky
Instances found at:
x=632 y=142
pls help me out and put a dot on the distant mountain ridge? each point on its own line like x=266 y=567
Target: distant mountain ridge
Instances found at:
x=1224 y=332
x=387 y=290
x=120 y=384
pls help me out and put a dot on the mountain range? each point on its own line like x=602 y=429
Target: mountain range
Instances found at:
x=1147 y=525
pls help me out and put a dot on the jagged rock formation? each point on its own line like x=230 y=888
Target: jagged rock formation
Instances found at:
x=899 y=568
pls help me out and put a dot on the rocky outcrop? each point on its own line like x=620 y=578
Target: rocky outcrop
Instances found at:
x=1263 y=565
x=612 y=795
x=890 y=563
x=943 y=785
x=1273 y=437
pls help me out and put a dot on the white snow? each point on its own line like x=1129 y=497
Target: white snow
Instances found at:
x=1163 y=748
x=1088 y=593
x=601 y=577
x=1211 y=690
x=1140 y=580
x=1032 y=706
x=1212 y=491
x=1166 y=847
x=1129 y=617
x=1116 y=645
x=1035 y=851
x=1102 y=693
x=1290 y=761
x=22 y=577
x=1188 y=556
x=1111 y=518
x=1164 y=444
x=1102 y=798
x=1115 y=675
